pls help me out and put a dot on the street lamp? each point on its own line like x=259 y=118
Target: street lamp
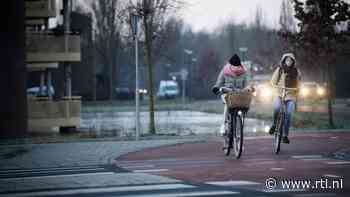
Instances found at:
x=244 y=51
x=134 y=26
x=189 y=53
x=183 y=74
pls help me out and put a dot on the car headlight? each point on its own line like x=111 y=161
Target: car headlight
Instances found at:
x=266 y=92
x=321 y=91
x=305 y=92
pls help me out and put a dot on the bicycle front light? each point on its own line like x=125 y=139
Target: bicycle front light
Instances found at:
x=266 y=92
x=267 y=129
x=305 y=92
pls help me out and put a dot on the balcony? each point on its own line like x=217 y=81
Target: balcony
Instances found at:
x=46 y=47
x=41 y=8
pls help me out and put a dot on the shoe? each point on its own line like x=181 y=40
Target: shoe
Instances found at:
x=272 y=130
x=285 y=140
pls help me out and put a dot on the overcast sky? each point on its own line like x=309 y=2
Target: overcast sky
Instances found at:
x=208 y=14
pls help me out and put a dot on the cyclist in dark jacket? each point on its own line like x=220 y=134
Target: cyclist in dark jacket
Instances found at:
x=285 y=75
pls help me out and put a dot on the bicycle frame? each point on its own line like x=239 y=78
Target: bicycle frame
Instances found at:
x=280 y=119
x=234 y=124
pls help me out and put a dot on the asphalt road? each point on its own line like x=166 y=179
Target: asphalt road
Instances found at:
x=306 y=167
x=307 y=161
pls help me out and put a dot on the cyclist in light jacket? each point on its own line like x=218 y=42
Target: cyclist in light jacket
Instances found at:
x=233 y=75
x=285 y=75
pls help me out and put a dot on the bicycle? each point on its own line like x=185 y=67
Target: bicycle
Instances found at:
x=280 y=119
x=238 y=103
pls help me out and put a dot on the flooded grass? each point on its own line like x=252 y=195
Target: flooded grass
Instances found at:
x=260 y=111
x=15 y=153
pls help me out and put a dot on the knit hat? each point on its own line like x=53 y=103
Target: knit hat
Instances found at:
x=235 y=60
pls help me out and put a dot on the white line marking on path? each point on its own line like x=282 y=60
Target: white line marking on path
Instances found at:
x=283 y=190
x=59 y=175
x=140 y=166
x=307 y=156
x=49 y=169
x=316 y=194
x=277 y=169
x=332 y=176
x=232 y=183
x=60 y=171
x=188 y=194
x=316 y=159
x=338 y=162
x=100 y=190
x=151 y=170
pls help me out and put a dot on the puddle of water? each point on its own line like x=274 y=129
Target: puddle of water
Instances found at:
x=167 y=122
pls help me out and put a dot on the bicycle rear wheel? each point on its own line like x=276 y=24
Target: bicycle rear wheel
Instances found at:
x=278 y=133
x=238 y=136
x=228 y=138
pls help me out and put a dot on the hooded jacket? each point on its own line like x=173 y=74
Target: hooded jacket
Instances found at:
x=287 y=77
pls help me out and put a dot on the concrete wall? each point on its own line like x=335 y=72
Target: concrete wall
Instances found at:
x=48 y=116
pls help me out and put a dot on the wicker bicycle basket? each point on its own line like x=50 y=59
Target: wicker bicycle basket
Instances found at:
x=238 y=99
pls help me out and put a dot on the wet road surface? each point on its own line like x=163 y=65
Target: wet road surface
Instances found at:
x=308 y=157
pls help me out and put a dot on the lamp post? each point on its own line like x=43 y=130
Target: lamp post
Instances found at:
x=189 y=73
x=244 y=51
x=183 y=74
x=134 y=24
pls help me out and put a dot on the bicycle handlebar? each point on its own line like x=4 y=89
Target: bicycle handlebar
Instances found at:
x=222 y=90
x=227 y=90
x=281 y=87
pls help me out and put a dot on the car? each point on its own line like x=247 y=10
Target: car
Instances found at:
x=311 y=91
x=168 y=90
x=127 y=94
x=35 y=91
x=124 y=93
x=264 y=92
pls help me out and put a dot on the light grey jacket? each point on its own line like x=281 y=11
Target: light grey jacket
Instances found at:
x=236 y=82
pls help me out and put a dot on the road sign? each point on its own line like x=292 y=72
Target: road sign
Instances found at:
x=243 y=49
x=184 y=74
x=134 y=24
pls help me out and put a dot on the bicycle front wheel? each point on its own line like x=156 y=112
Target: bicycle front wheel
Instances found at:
x=278 y=133
x=238 y=136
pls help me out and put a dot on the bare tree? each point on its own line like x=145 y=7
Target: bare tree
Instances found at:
x=287 y=26
x=286 y=20
x=109 y=19
x=153 y=14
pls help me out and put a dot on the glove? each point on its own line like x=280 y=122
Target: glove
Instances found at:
x=215 y=90
x=252 y=89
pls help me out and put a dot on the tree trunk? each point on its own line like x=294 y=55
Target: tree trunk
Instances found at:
x=111 y=83
x=148 y=48
x=110 y=62
x=13 y=77
x=331 y=91
x=94 y=75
